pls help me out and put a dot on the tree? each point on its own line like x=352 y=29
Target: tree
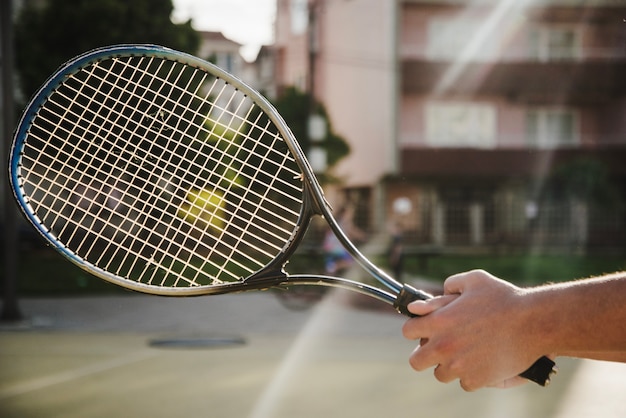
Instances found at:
x=295 y=106
x=586 y=185
x=49 y=33
x=584 y=179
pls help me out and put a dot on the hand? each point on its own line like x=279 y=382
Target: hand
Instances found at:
x=476 y=332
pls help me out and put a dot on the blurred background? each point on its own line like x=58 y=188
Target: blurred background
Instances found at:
x=473 y=133
x=465 y=134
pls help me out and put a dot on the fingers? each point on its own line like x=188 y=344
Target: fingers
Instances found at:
x=424 y=307
x=423 y=358
x=421 y=327
x=444 y=374
x=427 y=327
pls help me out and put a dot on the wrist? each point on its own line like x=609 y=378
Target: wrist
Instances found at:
x=542 y=323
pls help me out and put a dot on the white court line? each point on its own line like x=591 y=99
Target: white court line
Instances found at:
x=598 y=390
x=307 y=341
x=69 y=375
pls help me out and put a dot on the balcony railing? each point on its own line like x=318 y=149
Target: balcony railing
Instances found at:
x=501 y=163
x=562 y=225
x=529 y=81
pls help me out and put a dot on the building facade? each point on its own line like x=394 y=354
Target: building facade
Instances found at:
x=460 y=114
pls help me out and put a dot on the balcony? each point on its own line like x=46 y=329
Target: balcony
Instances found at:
x=446 y=163
x=574 y=82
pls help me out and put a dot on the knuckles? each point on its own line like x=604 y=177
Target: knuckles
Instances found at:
x=411 y=330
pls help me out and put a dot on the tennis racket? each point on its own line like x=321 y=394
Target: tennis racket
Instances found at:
x=161 y=173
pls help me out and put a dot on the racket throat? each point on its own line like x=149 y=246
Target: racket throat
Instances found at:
x=272 y=275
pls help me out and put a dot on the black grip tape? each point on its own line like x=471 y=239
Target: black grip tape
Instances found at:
x=541 y=371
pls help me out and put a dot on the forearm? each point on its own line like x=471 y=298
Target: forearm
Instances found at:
x=485 y=331
x=616 y=356
x=585 y=318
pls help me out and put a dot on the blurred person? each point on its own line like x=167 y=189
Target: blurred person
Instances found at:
x=336 y=258
x=484 y=331
x=395 y=253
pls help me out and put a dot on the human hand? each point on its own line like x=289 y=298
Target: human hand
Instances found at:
x=478 y=332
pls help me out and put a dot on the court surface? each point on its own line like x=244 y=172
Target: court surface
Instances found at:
x=247 y=355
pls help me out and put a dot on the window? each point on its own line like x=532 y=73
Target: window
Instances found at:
x=551 y=128
x=450 y=38
x=299 y=10
x=554 y=43
x=461 y=125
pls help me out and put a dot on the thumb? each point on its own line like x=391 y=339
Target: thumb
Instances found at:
x=458 y=283
x=424 y=307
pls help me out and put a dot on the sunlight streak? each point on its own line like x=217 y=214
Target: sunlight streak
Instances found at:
x=504 y=11
x=323 y=317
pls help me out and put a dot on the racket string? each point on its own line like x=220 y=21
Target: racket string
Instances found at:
x=172 y=254
x=245 y=163
x=268 y=149
x=253 y=222
x=98 y=112
x=125 y=220
x=47 y=168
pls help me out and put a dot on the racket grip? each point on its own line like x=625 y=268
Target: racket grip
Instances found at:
x=540 y=372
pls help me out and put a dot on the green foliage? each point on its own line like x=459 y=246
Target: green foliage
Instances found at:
x=44 y=272
x=523 y=269
x=294 y=106
x=47 y=34
x=583 y=179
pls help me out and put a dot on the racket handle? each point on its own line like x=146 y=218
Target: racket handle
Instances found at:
x=540 y=372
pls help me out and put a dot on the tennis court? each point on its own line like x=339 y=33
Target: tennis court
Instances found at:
x=248 y=356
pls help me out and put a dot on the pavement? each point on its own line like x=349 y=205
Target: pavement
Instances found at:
x=247 y=355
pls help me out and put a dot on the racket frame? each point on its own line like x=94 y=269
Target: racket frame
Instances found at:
x=271 y=275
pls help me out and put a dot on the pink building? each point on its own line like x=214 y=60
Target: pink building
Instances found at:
x=457 y=112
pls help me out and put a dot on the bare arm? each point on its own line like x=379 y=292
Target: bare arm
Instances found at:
x=485 y=331
x=589 y=317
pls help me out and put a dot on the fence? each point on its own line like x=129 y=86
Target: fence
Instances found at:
x=561 y=225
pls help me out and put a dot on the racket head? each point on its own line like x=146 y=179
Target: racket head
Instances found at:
x=160 y=172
